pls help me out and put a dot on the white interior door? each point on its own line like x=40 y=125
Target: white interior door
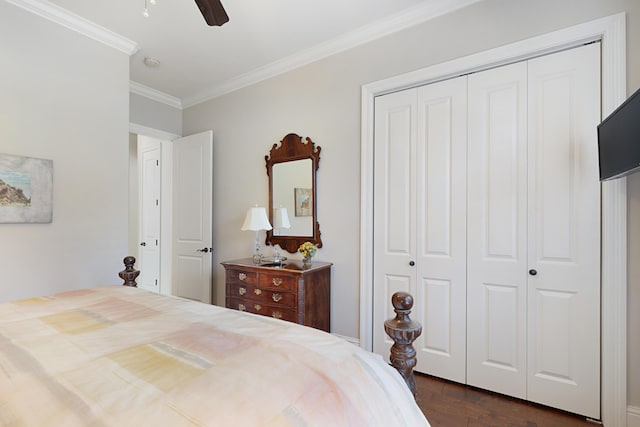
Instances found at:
x=394 y=206
x=497 y=230
x=564 y=231
x=192 y=216
x=419 y=221
x=149 y=202
x=441 y=162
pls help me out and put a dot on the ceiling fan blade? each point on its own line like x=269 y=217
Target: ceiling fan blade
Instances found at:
x=213 y=12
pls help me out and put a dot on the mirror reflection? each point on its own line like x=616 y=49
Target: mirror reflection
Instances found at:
x=292 y=190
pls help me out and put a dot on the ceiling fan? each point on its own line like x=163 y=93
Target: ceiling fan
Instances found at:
x=213 y=12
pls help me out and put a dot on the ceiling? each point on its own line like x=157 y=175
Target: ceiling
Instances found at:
x=262 y=38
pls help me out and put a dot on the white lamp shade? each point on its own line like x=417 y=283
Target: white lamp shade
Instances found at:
x=281 y=218
x=256 y=220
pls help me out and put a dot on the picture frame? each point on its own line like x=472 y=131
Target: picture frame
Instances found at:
x=26 y=189
x=303 y=201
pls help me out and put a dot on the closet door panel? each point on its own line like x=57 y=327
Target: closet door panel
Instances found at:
x=441 y=228
x=564 y=231
x=497 y=230
x=394 y=206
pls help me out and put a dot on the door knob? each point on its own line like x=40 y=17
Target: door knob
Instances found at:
x=205 y=250
x=412 y=263
x=533 y=272
x=143 y=244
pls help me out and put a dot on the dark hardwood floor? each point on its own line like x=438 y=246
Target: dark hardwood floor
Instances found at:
x=450 y=404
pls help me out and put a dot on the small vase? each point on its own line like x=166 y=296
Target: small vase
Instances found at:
x=306 y=262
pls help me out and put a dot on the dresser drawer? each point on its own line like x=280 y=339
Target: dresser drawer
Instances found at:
x=269 y=310
x=277 y=281
x=239 y=276
x=263 y=296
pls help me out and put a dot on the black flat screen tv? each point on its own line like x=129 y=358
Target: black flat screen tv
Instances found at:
x=619 y=140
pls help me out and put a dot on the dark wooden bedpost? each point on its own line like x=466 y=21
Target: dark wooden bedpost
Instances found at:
x=403 y=331
x=129 y=274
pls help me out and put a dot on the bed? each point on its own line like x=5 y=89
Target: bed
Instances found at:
x=123 y=356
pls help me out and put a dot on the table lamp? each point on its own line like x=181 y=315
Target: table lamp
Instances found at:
x=256 y=220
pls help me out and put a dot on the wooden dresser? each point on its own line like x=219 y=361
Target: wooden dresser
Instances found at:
x=290 y=292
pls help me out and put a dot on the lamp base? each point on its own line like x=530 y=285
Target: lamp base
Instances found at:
x=257 y=258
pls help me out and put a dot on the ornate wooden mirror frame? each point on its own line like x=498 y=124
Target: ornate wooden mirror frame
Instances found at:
x=291 y=149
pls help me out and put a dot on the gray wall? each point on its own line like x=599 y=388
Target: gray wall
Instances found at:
x=64 y=96
x=322 y=100
x=154 y=115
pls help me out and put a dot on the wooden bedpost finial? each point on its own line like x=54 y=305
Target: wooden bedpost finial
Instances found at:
x=403 y=331
x=129 y=273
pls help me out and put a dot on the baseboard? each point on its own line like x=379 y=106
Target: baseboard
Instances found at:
x=354 y=341
x=633 y=416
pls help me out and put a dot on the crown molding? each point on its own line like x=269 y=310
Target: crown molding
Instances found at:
x=77 y=23
x=155 y=95
x=398 y=22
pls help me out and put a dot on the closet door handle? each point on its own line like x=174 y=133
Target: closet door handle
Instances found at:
x=533 y=272
x=412 y=263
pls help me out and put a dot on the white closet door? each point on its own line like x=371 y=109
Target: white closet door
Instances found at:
x=530 y=226
x=564 y=231
x=394 y=207
x=149 y=207
x=441 y=163
x=497 y=230
x=420 y=219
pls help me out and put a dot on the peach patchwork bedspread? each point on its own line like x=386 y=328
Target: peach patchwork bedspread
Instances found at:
x=119 y=356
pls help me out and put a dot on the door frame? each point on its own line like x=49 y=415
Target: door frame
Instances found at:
x=610 y=31
x=166 y=201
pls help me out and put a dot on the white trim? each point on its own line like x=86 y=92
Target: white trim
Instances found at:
x=166 y=217
x=614 y=238
x=77 y=23
x=633 y=416
x=611 y=31
x=155 y=95
x=154 y=133
x=408 y=18
x=614 y=300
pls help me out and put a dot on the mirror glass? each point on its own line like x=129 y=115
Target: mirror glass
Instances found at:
x=293 y=190
x=292 y=166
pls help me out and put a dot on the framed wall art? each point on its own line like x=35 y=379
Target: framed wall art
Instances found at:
x=26 y=189
x=304 y=201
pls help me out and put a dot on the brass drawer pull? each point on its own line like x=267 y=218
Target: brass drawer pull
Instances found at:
x=242 y=291
x=276 y=281
x=276 y=297
x=257 y=292
x=258 y=307
x=277 y=315
x=242 y=276
x=241 y=307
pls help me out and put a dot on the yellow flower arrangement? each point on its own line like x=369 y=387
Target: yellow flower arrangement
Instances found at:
x=307 y=249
